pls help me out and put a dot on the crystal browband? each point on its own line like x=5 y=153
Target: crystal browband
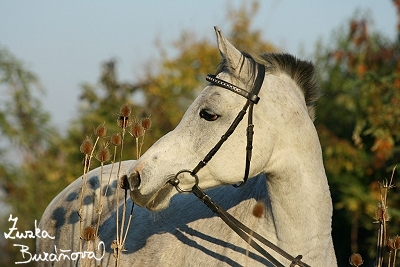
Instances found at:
x=214 y=80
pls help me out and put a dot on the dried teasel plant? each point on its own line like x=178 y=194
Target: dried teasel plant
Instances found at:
x=125 y=110
x=138 y=130
x=105 y=151
x=393 y=246
x=146 y=124
x=384 y=244
x=356 y=260
x=87 y=146
x=103 y=155
x=101 y=130
x=116 y=139
x=124 y=114
x=89 y=233
x=382 y=217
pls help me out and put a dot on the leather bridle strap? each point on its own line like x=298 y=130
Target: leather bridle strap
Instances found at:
x=243 y=231
x=252 y=98
x=247 y=234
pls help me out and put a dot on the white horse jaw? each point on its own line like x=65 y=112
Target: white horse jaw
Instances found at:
x=154 y=202
x=155 y=196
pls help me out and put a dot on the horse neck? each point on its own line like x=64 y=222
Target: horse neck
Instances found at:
x=299 y=198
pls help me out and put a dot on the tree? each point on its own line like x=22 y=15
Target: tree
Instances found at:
x=167 y=92
x=358 y=121
x=27 y=180
x=37 y=162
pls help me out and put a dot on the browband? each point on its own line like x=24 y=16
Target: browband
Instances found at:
x=252 y=96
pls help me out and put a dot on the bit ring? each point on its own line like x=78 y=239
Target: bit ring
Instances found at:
x=175 y=181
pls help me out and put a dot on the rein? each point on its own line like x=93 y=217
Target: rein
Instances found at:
x=243 y=231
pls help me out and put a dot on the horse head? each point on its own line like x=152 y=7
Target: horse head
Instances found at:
x=208 y=118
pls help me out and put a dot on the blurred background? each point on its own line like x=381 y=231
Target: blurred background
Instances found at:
x=67 y=67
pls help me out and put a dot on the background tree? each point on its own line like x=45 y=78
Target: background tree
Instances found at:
x=358 y=121
x=49 y=160
x=30 y=162
x=166 y=93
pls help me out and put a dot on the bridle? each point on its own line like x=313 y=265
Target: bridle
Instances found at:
x=252 y=98
x=244 y=232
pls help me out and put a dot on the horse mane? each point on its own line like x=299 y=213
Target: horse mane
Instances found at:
x=301 y=71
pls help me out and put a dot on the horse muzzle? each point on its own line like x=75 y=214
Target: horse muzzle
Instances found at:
x=134 y=181
x=157 y=200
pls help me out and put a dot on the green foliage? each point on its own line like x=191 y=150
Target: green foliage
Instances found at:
x=358 y=122
x=27 y=180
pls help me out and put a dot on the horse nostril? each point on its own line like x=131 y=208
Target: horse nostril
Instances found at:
x=134 y=181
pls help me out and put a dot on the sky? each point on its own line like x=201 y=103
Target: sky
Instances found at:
x=65 y=42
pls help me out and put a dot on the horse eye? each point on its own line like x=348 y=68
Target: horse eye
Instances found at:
x=208 y=115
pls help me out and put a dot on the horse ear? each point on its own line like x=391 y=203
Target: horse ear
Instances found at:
x=235 y=60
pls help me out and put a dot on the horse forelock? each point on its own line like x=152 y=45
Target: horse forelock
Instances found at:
x=301 y=71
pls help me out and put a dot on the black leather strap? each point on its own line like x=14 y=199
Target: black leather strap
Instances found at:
x=250 y=96
x=253 y=95
x=246 y=233
x=243 y=231
x=250 y=132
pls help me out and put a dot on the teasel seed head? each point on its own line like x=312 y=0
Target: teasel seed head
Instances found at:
x=381 y=214
x=390 y=245
x=101 y=130
x=394 y=242
x=137 y=130
x=146 y=123
x=89 y=233
x=125 y=110
x=86 y=146
x=116 y=139
x=123 y=122
x=258 y=209
x=103 y=154
x=356 y=260
x=114 y=244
